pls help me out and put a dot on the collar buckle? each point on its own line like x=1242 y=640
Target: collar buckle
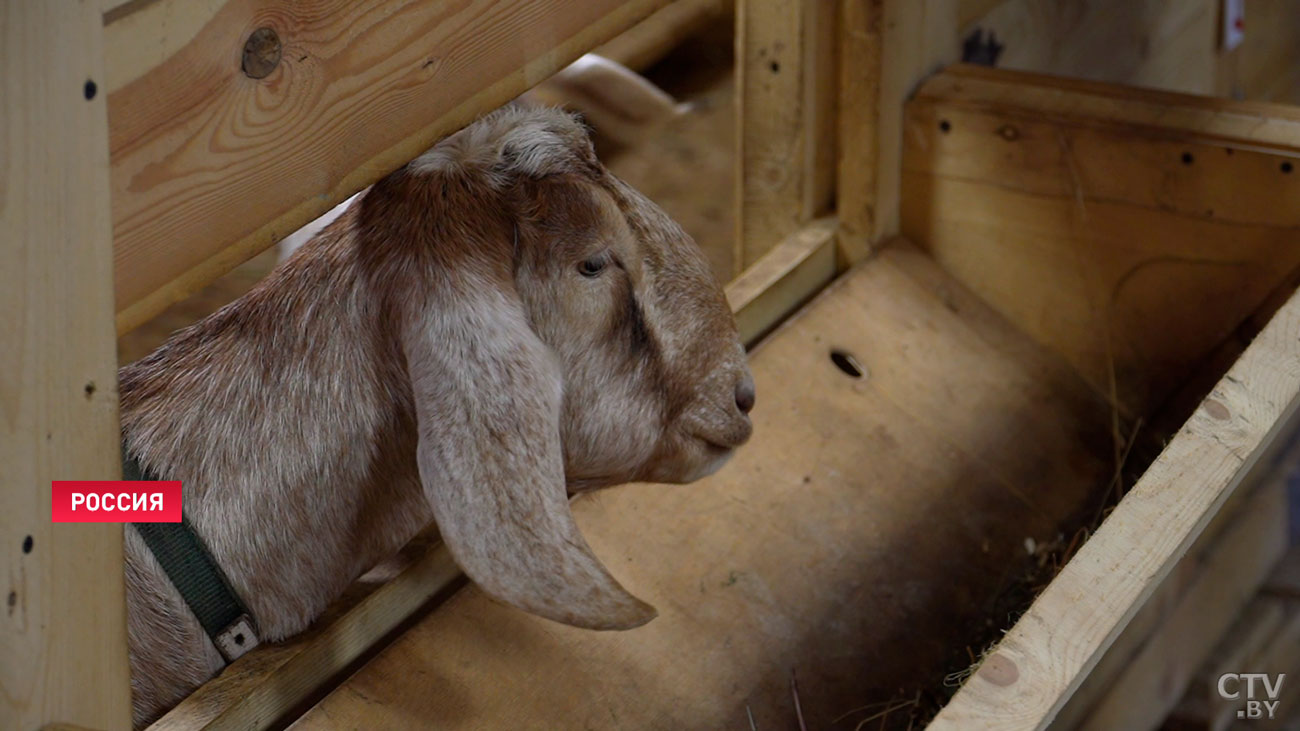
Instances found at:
x=237 y=638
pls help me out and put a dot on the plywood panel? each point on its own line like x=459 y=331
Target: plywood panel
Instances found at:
x=63 y=626
x=847 y=544
x=1130 y=232
x=210 y=166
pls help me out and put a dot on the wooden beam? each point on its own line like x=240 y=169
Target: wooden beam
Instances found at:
x=64 y=629
x=258 y=692
x=1171 y=210
x=210 y=166
x=782 y=280
x=1154 y=679
x=1046 y=655
x=886 y=48
x=784 y=101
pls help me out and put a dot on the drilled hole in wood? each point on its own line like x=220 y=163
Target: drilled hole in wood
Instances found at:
x=27 y=544
x=845 y=361
x=945 y=126
x=776 y=67
x=89 y=89
x=1188 y=159
x=1287 y=167
x=90 y=389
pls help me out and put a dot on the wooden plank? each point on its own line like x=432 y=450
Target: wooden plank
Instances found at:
x=886 y=48
x=1043 y=659
x=1171 y=211
x=1155 y=613
x=63 y=643
x=1154 y=680
x=1270 y=125
x=785 y=278
x=960 y=440
x=783 y=103
x=860 y=74
x=226 y=164
x=257 y=692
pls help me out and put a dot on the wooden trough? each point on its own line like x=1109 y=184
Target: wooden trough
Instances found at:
x=973 y=312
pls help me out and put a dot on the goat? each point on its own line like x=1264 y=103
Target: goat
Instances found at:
x=490 y=328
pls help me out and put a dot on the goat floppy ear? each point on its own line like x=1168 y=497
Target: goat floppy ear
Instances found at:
x=487 y=401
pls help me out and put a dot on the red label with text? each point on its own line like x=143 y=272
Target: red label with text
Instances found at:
x=115 y=501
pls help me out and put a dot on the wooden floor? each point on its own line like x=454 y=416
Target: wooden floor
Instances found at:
x=852 y=544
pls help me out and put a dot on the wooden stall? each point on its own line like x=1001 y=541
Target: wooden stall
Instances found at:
x=981 y=302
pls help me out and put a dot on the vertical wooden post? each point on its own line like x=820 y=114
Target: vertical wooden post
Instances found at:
x=785 y=97
x=886 y=48
x=63 y=648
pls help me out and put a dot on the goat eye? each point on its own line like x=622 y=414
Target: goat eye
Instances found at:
x=593 y=266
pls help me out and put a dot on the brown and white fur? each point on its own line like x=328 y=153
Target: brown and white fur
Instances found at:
x=497 y=324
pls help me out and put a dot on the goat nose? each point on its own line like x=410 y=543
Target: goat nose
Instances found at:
x=745 y=394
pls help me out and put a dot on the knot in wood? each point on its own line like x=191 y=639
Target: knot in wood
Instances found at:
x=999 y=670
x=261 y=53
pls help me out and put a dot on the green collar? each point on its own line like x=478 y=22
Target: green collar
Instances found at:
x=196 y=575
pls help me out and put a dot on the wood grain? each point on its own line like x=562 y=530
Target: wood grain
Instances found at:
x=961 y=440
x=1149 y=624
x=1169 y=213
x=1155 y=678
x=209 y=166
x=783 y=115
x=783 y=279
x=857 y=124
x=886 y=48
x=63 y=630
x=1077 y=617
